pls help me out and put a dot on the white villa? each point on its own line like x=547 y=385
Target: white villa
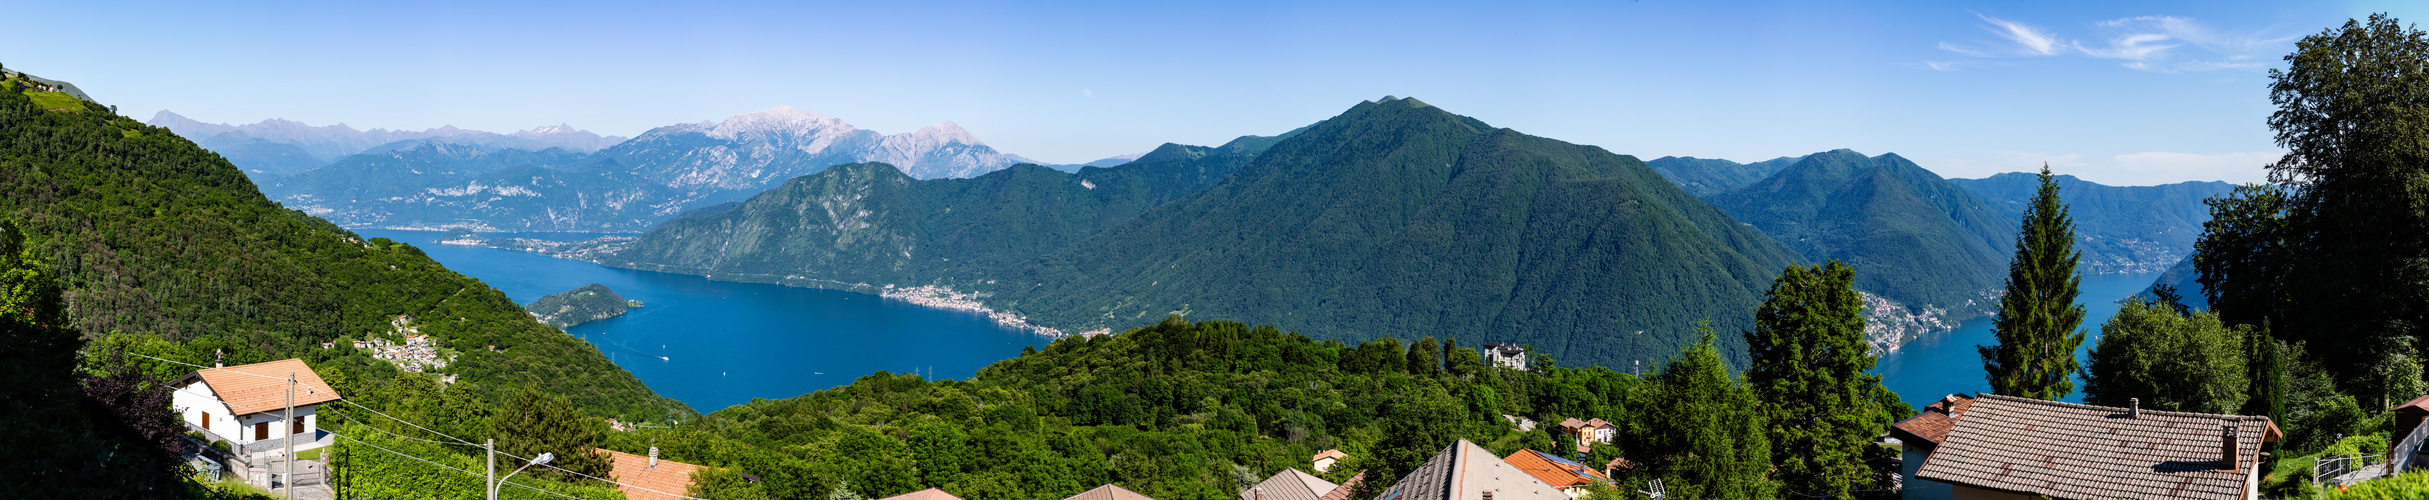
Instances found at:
x=246 y=405
x=1511 y=356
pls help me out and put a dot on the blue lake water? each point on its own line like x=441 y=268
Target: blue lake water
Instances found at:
x=1939 y=365
x=714 y=344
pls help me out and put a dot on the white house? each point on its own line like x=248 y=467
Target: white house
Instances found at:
x=246 y=405
x=1511 y=356
x=1324 y=460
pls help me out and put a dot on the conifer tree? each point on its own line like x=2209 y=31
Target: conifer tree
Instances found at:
x=1809 y=359
x=1702 y=433
x=2038 y=327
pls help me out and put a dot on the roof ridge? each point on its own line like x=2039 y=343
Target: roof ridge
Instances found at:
x=2045 y=402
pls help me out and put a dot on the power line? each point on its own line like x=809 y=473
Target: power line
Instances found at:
x=458 y=440
x=367 y=425
x=445 y=466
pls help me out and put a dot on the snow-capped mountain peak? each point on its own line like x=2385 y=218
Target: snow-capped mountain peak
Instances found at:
x=946 y=133
x=548 y=130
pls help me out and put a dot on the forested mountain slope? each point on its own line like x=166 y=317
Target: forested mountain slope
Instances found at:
x=170 y=245
x=1397 y=218
x=1913 y=237
x=1708 y=176
x=2122 y=229
x=870 y=224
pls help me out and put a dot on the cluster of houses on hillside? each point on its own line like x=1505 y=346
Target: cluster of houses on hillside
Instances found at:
x=416 y=355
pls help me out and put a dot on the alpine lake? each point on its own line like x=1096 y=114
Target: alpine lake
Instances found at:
x=714 y=344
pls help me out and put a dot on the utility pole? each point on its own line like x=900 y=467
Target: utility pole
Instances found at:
x=492 y=446
x=290 y=441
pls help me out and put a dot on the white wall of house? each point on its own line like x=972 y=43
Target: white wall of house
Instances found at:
x=196 y=399
x=1605 y=434
x=1918 y=489
x=1324 y=464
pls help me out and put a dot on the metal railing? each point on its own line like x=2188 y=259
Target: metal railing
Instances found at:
x=2400 y=456
x=2332 y=471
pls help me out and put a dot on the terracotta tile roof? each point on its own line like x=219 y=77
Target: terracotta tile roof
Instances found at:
x=1619 y=463
x=262 y=387
x=1464 y=471
x=1342 y=492
x=926 y=494
x=1290 y=484
x=2067 y=450
x=1109 y=492
x=1598 y=423
x=1332 y=454
x=670 y=478
x=1559 y=472
x=1932 y=425
x=1572 y=423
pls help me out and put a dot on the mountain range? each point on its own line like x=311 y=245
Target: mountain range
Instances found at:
x=1395 y=218
x=1708 y=176
x=445 y=183
x=2122 y=229
x=283 y=147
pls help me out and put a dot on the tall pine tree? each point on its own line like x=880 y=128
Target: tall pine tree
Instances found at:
x=2039 y=322
x=1809 y=359
x=1703 y=435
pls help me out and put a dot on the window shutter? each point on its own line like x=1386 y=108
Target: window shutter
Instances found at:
x=261 y=431
x=206 y=420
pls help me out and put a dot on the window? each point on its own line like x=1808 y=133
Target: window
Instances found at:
x=261 y=431
x=298 y=427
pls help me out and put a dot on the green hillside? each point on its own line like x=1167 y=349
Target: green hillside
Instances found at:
x=169 y=245
x=1400 y=219
x=1708 y=176
x=1913 y=237
x=589 y=303
x=2122 y=229
x=865 y=225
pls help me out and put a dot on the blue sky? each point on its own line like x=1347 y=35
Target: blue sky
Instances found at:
x=2146 y=93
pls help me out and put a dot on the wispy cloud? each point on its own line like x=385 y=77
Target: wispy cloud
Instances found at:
x=2033 y=40
x=2147 y=43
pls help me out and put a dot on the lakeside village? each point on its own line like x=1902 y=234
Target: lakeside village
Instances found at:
x=945 y=298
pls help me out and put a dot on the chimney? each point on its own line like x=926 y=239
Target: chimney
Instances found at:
x=2227 y=452
x=218 y=360
x=1260 y=494
x=2133 y=408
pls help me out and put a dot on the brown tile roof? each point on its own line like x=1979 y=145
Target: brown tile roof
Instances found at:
x=1465 y=471
x=1290 y=484
x=1598 y=423
x=1572 y=424
x=1558 y=472
x=1342 y=492
x=669 y=478
x=1332 y=454
x=1109 y=492
x=261 y=387
x=2067 y=450
x=1932 y=425
x=926 y=494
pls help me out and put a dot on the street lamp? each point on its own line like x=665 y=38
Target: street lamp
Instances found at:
x=543 y=458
